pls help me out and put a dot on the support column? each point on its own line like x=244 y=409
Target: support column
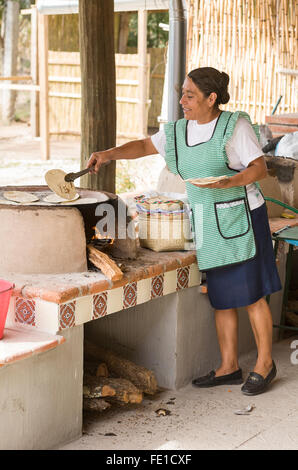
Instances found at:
x=10 y=58
x=44 y=85
x=143 y=76
x=34 y=104
x=98 y=112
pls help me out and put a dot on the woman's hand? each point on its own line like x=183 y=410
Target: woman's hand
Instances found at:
x=255 y=171
x=98 y=159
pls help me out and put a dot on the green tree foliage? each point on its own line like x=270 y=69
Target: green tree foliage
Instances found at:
x=156 y=36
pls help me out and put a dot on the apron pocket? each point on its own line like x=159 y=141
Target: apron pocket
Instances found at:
x=232 y=218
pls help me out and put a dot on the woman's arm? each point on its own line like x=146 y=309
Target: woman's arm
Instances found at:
x=130 y=150
x=255 y=171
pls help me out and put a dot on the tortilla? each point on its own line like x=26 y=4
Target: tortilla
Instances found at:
x=208 y=180
x=82 y=200
x=55 y=199
x=56 y=182
x=5 y=201
x=20 y=196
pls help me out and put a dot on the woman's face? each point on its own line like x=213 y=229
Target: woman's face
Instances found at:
x=195 y=105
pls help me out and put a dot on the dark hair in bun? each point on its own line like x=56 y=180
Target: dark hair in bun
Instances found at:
x=210 y=80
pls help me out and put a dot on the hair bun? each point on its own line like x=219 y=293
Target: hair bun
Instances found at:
x=223 y=96
x=224 y=80
x=208 y=80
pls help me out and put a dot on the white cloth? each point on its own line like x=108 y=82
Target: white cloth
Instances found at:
x=242 y=148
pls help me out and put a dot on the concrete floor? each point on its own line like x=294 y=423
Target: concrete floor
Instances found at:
x=204 y=418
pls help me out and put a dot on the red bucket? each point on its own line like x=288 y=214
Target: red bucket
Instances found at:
x=5 y=294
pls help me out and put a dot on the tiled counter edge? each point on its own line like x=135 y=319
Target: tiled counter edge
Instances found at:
x=53 y=317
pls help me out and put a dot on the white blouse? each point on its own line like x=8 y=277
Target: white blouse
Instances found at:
x=242 y=148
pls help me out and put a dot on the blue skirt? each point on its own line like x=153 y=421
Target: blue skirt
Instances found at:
x=245 y=283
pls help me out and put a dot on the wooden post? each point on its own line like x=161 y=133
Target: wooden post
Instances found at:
x=10 y=58
x=34 y=103
x=44 y=85
x=123 y=32
x=142 y=52
x=98 y=78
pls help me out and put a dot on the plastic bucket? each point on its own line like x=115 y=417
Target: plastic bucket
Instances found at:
x=5 y=295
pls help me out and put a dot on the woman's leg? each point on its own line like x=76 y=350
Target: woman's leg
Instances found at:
x=261 y=322
x=227 y=332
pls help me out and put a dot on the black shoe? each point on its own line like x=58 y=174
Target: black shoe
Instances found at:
x=256 y=384
x=209 y=380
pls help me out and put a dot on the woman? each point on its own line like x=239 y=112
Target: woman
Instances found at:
x=233 y=238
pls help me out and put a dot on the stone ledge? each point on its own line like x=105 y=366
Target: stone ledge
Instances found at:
x=54 y=317
x=21 y=342
x=61 y=288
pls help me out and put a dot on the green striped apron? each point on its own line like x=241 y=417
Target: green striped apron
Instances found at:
x=220 y=217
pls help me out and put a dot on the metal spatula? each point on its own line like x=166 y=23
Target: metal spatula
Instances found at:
x=70 y=177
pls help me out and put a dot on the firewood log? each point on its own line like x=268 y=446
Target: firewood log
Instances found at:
x=141 y=377
x=121 y=390
x=93 y=387
x=104 y=263
x=95 y=404
x=97 y=369
x=126 y=392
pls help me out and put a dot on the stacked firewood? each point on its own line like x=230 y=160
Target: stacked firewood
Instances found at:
x=109 y=378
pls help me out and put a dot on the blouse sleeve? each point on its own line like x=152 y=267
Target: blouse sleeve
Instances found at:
x=159 y=142
x=242 y=144
x=170 y=148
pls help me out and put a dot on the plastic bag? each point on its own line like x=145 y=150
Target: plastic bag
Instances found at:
x=288 y=146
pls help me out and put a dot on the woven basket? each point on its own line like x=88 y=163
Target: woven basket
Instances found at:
x=161 y=232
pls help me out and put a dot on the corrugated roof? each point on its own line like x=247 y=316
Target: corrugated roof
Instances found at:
x=56 y=7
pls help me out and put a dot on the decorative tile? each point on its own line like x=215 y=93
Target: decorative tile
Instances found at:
x=99 y=305
x=130 y=295
x=50 y=316
x=84 y=309
x=25 y=311
x=67 y=315
x=47 y=316
x=194 y=275
x=157 y=286
x=182 y=277
x=115 y=300
x=144 y=291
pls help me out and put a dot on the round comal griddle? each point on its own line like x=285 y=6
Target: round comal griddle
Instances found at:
x=82 y=197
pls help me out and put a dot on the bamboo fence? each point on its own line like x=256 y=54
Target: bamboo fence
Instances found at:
x=65 y=92
x=255 y=42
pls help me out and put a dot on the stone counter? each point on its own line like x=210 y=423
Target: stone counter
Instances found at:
x=52 y=303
